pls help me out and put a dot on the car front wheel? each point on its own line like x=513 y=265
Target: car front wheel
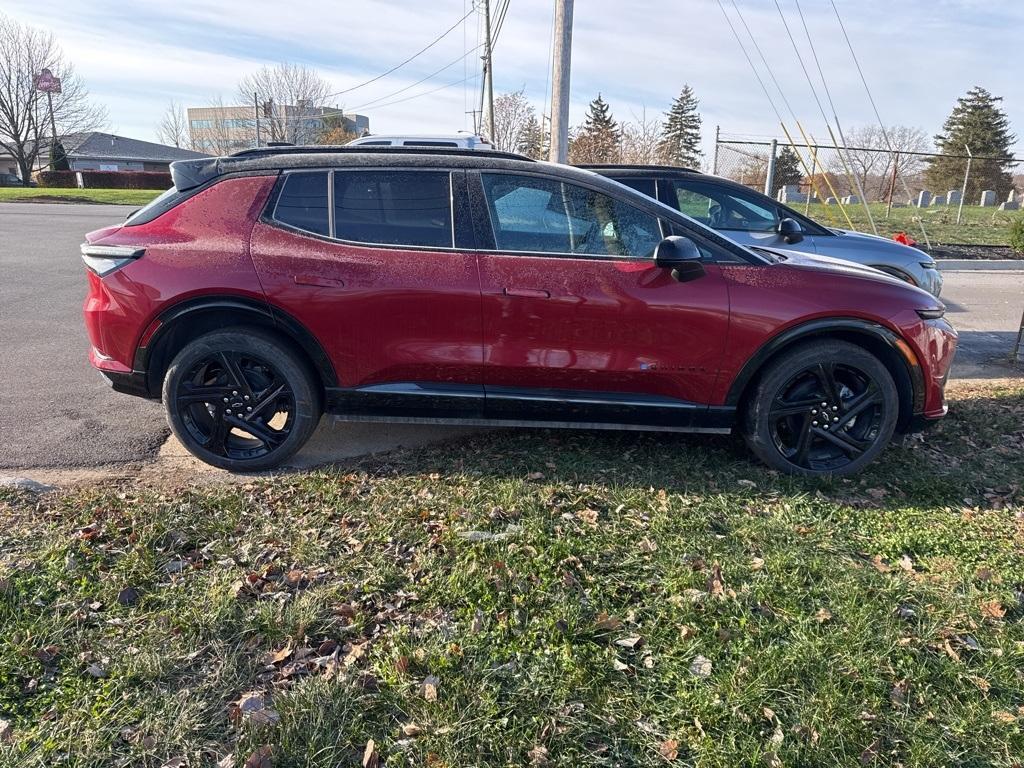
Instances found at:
x=239 y=399
x=825 y=408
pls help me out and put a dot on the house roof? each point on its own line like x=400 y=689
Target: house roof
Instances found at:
x=106 y=146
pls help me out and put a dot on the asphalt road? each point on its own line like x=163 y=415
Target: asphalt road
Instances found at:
x=56 y=412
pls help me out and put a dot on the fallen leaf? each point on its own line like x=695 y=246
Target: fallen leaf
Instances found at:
x=983 y=684
x=746 y=483
x=701 y=667
x=95 y=670
x=992 y=609
x=822 y=615
x=669 y=749
x=898 y=694
x=880 y=565
x=618 y=666
x=371 y=759
x=428 y=689
x=1004 y=717
x=175 y=762
x=771 y=759
x=715 y=585
x=631 y=642
x=276 y=657
x=174 y=566
x=6 y=732
x=411 y=730
x=128 y=596
x=607 y=623
x=907 y=564
x=756 y=563
x=261 y=758
x=685 y=632
x=228 y=761
x=588 y=516
x=538 y=755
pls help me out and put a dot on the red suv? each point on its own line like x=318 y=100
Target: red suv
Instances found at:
x=480 y=287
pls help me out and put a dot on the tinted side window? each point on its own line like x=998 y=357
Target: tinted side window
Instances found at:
x=393 y=207
x=722 y=208
x=644 y=186
x=530 y=214
x=303 y=202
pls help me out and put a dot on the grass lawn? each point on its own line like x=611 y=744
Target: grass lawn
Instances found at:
x=980 y=226
x=137 y=197
x=532 y=598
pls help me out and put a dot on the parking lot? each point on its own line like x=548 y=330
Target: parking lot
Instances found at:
x=58 y=412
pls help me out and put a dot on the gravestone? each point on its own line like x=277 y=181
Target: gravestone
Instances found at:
x=851 y=200
x=953 y=197
x=1013 y=197
x=924 y=198
x=988 y=198
x=791 y=193
x=830 y=201
x=939 y=200
x=1009 y=205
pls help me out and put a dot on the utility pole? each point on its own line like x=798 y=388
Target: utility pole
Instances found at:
x=562 y=58
x=769 y=178
x=963 y=192
x=256 y=113
x=489 y=70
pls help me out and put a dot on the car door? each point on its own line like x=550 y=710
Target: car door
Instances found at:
x=744 y=216
x=579 y=324
x=366 y=259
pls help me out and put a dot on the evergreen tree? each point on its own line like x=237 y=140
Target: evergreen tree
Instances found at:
x=533 y=143
x=680 y=140
x=788 y=169
x=978 y=122
x=598 y=139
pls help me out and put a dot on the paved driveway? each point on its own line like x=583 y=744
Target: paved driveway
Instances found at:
x=55 y=411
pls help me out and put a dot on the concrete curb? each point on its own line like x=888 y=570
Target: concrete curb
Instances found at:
x=980 y=265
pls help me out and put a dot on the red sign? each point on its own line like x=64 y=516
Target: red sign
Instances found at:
x=47 y=83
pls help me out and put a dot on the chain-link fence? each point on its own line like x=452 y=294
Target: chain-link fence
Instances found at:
x=865 y=188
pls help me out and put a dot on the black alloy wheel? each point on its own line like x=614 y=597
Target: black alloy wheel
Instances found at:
x=827 y=408
x=240 y=400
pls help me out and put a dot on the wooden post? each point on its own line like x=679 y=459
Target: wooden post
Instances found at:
x=560 y=82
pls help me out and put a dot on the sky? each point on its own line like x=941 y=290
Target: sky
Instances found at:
x=918 y=56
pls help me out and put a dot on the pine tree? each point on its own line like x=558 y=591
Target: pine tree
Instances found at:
x=788 y=169
x=598 y=139
x=978 y=122
x=533 y=143
x=680 y=140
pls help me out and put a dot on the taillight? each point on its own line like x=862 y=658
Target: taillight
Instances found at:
x=104 y=259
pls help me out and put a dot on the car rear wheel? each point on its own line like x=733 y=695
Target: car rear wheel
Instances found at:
x=239 y=399
x=825 y=408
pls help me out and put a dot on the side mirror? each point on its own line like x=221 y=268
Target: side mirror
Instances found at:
x=681 y=255
x=791 y=231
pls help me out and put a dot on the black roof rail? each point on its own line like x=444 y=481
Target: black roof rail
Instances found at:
x=369 y=149
x=637 y=167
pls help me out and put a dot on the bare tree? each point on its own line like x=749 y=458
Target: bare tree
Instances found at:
x=24 y=113
x=512 y=118
x=291 y=97
x=173 y=126
x=640 y=140
x=871 y=160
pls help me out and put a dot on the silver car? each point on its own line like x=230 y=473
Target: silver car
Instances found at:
x=753 y=219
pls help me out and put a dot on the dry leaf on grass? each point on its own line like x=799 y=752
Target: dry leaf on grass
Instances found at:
x=822 y=615
x=371 y=758
x=261 y=758
x=870 y=753
x=716 y=587
x=538 y=756
x=428 y=688
x=669 y=749
x=700 y=667
x=992 y=609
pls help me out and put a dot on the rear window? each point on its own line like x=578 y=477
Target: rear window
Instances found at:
x=644 y=186
x=303 y=202
x=393 y=207
x=155 y=207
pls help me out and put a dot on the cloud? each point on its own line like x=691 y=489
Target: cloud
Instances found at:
x=918 y=56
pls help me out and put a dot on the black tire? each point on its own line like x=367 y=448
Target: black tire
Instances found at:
x=226 y=382
x=824 y=408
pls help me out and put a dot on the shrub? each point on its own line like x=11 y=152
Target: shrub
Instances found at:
x=1017 y=235
x=106 y=179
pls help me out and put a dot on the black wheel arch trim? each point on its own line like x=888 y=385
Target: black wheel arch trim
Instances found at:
x=825 y=327
x=267 y=315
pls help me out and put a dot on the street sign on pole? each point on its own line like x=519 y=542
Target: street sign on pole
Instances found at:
x=47 y=83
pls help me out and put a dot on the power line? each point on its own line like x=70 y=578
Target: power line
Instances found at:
x=750 y=61
x=395 y=68
x=425 y=93
x=767 y=66
x=433 y=74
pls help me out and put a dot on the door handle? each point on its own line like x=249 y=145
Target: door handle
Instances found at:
x=528 y=293
x=319 y=282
